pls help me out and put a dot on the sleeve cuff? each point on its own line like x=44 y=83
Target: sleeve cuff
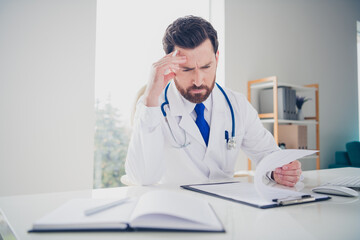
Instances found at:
x=149 y=116
x=269 y=178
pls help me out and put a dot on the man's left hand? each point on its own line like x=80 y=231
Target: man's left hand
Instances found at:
x=288 y=174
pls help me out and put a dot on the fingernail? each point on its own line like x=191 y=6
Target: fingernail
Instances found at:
x=285 y=168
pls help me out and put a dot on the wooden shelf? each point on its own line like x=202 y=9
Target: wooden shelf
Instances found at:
x=285 y=121
x=262 y=85
x=272 y=118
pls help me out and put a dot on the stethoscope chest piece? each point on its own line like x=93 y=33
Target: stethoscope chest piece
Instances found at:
x=231 y=144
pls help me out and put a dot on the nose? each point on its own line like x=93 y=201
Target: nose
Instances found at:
x=198 y=78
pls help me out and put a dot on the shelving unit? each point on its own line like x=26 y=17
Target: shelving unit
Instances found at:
x=268 y=82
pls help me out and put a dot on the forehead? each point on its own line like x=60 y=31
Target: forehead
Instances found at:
x=202 y=54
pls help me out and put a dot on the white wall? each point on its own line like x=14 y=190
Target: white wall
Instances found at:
x=46 y=95
x=301 y=42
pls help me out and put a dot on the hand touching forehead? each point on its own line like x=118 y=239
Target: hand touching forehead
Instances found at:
x=198 y=57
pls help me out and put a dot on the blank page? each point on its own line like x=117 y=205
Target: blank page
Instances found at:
x=71 y=216
x=174 y=210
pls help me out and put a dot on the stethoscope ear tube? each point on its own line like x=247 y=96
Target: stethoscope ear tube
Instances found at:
x=231 y=110
x=166 y=100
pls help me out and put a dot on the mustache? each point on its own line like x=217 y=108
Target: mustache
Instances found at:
x=197 y=88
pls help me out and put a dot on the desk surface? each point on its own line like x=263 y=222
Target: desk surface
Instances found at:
x=337 y=218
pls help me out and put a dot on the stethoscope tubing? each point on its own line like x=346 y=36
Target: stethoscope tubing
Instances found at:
x=222 y=91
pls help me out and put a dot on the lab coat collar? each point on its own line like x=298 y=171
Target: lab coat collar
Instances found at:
x=218 y=117
x=179 y=108
x=180 y=105
x=176 y=105
x=183 y=109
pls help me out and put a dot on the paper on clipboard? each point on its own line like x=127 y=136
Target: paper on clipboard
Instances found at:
x=260 y=194
x=270 y=163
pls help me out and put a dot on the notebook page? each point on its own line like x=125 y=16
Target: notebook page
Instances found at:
x=71 y=216
x=169 y=209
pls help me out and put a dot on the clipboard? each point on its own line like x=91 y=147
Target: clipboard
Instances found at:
x=245 y=193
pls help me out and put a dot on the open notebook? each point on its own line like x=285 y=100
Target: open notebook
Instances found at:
x=158 y=210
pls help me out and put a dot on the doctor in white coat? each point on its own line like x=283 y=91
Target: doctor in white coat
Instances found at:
x=187 y=129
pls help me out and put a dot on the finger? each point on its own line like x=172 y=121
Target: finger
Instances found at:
x=174 y=53
x=296 y=172
x=162 y=66
x=173 y=68
x=293 y=179
x=293 y=165
x=169 y=76
x=165 y=68
x=286 y=180
x=173 y=60
x=170 y=73
x=279 y=179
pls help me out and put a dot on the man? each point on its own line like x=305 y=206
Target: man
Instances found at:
x=192 y=143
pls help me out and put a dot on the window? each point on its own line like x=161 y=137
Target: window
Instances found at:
x=128 y=40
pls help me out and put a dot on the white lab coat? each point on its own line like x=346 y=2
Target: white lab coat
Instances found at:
x=154 y=157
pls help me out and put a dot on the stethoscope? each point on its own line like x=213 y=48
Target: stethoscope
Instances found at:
x=231 y=143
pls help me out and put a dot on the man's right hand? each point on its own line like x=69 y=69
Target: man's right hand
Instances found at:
x=160 y=76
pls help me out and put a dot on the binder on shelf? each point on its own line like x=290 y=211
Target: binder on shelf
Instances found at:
x=293 y=104
x=286 y=102
x=266 y=102
x=158 y=210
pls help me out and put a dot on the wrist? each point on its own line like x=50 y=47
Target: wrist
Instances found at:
x=151 y=99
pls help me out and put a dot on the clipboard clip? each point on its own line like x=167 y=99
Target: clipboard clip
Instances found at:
x=297 y=200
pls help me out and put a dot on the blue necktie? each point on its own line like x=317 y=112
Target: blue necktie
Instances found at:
x=201 y=122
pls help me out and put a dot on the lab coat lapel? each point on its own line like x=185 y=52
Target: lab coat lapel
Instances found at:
x=218 y=119
x=215 y=156
x=186 y=122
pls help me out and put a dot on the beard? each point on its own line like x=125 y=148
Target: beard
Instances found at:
x=197 y=97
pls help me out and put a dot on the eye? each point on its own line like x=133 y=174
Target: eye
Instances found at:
x=205 y=67
x=187 y=69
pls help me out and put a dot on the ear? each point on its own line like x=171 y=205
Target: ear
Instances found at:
x=217 y=57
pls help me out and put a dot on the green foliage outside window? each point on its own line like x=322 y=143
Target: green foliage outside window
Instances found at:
x=111 y=144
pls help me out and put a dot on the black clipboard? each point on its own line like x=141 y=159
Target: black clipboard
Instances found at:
x=306 y=198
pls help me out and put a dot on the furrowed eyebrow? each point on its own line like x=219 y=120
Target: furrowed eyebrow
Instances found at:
x=192 y=68
x=206 y=66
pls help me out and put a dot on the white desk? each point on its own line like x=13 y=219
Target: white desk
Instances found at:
x=338 y=218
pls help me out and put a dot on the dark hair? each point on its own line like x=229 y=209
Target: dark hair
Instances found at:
x=189 y=32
